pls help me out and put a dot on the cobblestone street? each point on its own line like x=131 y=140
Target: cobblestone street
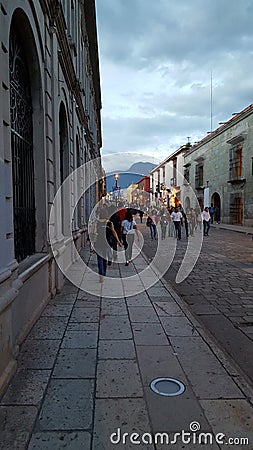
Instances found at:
x=219 y=291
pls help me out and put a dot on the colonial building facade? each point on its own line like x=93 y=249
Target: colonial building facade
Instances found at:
x=219 y=170
x=166 y=180
x=50 y=125
x=141 y=193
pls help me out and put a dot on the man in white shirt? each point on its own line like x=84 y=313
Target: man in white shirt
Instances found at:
x=206 y=220
x=177 y=218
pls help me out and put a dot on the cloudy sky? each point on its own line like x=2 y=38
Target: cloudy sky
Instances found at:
x=156 y=60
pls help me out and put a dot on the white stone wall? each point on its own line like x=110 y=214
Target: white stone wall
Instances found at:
x=63 y=69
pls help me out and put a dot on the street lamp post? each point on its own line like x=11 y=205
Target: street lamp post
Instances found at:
x=116 y=177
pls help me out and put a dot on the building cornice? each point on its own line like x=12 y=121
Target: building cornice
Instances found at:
x=224 y=127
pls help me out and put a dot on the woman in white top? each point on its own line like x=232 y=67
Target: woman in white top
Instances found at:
x=206 y=220
x=129 y=229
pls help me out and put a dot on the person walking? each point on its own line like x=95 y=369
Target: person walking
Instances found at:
x=163 y=223
x=129 y=228
x=199 y=221
x=211 y=211
x=206 y=220
x=113 y=242
x=186 y=223
x=172 y=231
x=141 y=214
x=151 y=223
x=177 y=220
x=101 y=245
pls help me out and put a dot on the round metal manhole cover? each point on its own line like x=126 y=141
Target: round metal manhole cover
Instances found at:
x=168 y=387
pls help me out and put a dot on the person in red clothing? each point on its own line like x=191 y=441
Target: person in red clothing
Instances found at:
x=121 y=212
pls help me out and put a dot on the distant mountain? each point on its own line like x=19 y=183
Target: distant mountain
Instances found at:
x=129 y=176
x=142 y=168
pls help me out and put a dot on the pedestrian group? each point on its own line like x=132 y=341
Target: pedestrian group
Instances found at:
x=116 y=227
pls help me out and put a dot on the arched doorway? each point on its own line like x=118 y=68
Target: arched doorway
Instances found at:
x=215 y=200
x=21 y=116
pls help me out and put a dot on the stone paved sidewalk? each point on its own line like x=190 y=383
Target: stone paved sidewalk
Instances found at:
x=85 y=371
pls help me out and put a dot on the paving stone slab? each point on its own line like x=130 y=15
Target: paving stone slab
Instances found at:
x=75 y=363
x=113 y=307
x=170 y=414
x=65 y=298
x=234 y=418
x=112 y=327
x=111 y=291
x=119 y=416
x=206 y=374
x=70 y=289
x=68 y=405
x=158 y=361
x=27 y=387
x=57 y=310
x=38 y=353
x=113 y=349
x=178 y=326
x=49 y=328
x=53 y=440
x=142 y=314
x=169 y=308
x=80 y=339
x=158 y=292
x=118 y=378
x=84 y=315
x=85 y=296
x=87 y=303
x=16 y=423
x=138 y=300
x=149 y=334
x=82 y=326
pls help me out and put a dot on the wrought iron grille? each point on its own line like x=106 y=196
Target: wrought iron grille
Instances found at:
x=199 y=176
x=22 y=151
x=235 y=163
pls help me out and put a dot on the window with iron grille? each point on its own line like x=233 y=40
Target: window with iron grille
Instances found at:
x=235 y=163
x=199 y=176
x=22 y=150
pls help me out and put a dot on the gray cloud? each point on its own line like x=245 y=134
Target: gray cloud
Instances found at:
x=156 y=60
